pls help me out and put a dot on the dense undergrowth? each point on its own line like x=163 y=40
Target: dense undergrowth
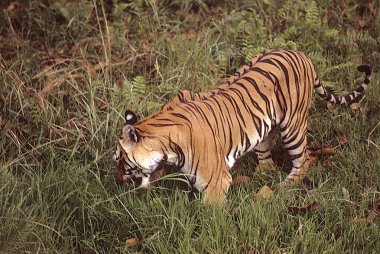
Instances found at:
x=68 y=71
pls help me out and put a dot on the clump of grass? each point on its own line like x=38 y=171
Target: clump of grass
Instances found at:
x=70 y=69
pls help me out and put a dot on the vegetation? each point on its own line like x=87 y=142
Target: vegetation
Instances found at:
x=68 y=71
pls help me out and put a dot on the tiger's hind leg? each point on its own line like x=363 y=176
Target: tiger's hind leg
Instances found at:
x=263 y=152
x=294 y=139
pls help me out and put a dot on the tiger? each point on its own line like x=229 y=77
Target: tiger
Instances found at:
x=136 y=177
x=203 y=134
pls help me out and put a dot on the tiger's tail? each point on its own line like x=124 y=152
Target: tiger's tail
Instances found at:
x=349 y=98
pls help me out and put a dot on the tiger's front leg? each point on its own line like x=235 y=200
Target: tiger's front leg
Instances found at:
x=216 y=186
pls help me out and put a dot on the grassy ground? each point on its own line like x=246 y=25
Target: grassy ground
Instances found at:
x=68 y=71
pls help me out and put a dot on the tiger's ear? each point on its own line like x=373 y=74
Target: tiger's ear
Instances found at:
x=129 y=137
x=130 y=117
x=129 y=132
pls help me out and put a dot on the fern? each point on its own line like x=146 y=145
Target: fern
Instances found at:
x=359 y=37
x=312 y=14
x=138 y=86
x=340 y=67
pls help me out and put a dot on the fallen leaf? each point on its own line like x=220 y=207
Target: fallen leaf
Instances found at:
x=130 y=242
x=354 y=106
x=360 y=221
x=376 y=207
x=47 y=88
x=303 y=209
x=328 y=164
x=14 y=7
x=346 y=194
x=365 y=220
x=362 y=23
x=330 y=107
x=237 y=167
x=311 y=160
x=356 y=59
x=241 y=180
x=50 y=85
x=264 y=193
x=346 y=212
x=341 y=138
x=370 y=8
x=328 y=15
x=126 y=24
x=369 y=109
x=320 y=151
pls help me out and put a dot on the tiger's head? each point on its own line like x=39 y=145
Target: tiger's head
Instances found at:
x=140 y=156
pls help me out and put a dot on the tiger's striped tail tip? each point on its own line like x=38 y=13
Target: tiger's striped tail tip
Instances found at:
x=365 y=68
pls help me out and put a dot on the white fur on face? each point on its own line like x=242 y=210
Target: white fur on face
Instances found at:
x=145 y=181
x=150 y=161
x=116 y=155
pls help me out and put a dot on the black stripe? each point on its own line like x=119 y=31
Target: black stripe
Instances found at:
x=360 y=89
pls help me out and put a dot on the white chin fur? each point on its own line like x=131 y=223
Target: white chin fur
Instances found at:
x=145 y=181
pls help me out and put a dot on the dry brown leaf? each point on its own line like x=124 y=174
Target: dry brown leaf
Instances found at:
x=362 y=23
x=237 y=167
x=303 y=209
x=354 y=106
x=311 y=160
x=365 y=220
x=47 y=88
x=369 y=6
x=328 y=164
x=130 y=242
x=356 y=59
x=330 y=107
x=369 y=109
x=360 y=221
x=376 y=207
x=329 y=15
x=241 y=180
x=50 y=85
x=341 y=137
x=14 y=7
x=321 y=151
x=346 y=212
x=264 y=193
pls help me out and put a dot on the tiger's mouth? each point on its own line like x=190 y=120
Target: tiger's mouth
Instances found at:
x=125 y=175
x=137 y=180
x=132 y=176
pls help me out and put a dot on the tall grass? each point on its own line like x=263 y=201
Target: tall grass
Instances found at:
x=68 y=71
